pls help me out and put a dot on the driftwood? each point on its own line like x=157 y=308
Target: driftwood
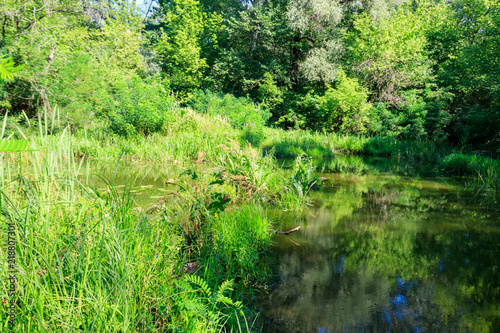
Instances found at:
x=288 y=232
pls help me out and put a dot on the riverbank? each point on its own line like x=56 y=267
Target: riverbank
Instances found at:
x=93 y=259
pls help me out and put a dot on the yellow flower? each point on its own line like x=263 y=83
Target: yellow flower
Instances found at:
x=215 y=214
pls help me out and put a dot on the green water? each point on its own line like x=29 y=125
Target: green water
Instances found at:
x=387 y=249
x=147 y=184
x=387 y=253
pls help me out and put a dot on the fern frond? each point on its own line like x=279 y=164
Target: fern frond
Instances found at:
x=200 y=282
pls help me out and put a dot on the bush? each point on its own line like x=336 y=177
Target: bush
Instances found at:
x=238 y=111
x=407 y=123
x=383 y=122
x=140 y=106
x=413 y=117
x=253 y=134
x=346 y=106
x=341 y=109
x=460 y=163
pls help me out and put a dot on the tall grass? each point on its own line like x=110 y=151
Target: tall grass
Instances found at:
x=486 y=171
x=91 y=261
x=179 y=142
x=290 y=144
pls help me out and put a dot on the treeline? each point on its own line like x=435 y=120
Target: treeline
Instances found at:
x=406 y=69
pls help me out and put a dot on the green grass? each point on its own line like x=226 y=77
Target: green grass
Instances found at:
x=486 y=171
x=290 y=144
x=92 y=260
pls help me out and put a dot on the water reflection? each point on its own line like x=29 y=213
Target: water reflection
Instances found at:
x=382 y=253
x=145 y=183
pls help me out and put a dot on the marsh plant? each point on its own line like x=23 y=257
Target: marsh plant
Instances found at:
x=304 y=179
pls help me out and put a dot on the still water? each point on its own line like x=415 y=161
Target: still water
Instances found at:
x=386 y=249
x=385 y=252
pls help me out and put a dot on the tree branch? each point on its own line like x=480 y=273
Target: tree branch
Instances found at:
x=288 y=232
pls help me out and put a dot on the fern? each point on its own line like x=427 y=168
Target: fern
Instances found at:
x=198 y=280
x=196 y=305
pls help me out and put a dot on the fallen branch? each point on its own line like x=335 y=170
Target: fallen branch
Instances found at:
x=288 y=232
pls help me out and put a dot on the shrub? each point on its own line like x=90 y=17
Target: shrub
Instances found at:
x=343 y=108
x=413 y=117
x=383 y=122
x=460 y=163
x=239 y=111
x=346 y=106
x=253 y=134
x=140 y=106
x=406 y=123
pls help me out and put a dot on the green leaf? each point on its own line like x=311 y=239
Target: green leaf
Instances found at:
x=7 y=68
x=14 y=146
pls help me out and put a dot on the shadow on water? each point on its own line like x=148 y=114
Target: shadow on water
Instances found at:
x=385 y=253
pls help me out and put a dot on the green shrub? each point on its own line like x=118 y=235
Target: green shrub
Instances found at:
x=383 y=122
x=343 y=108
x=413 y=117
x=303 y=179
x=460 y=163
x=238 y=111
x=269 y=94
x=140 y=106
x=346 y=106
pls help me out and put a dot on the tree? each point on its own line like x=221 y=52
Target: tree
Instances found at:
x=316 y=38
x=177 y=30
x=389 y=54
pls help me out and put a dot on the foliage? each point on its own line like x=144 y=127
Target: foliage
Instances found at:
x=238 y=111
x=239 y=236
x=7 y=68
x=9 y=146
x=389 y=54
x=252 y=134
x=196 y=308
x=342 y=108
x=485 y=170
x=200 y=203
x=178 y=32
x=269 y=94
x=346 y=106
x=303 y=179
x=316 y=23
x=140 y=106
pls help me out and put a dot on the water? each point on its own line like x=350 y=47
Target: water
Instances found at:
x=147 y=184
x=387 y=253
x=388 y=250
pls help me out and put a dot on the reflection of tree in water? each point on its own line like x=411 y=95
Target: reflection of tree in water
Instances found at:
x=391 y=258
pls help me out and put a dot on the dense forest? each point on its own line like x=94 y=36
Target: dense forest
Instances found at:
x=425 y=70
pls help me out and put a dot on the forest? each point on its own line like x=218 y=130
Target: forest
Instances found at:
x=245 y=111
x=419 y=70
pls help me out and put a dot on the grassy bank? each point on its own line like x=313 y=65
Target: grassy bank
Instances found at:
x=442 y=158
x=93 y=260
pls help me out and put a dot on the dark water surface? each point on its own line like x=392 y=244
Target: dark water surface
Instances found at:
x=387 y=253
